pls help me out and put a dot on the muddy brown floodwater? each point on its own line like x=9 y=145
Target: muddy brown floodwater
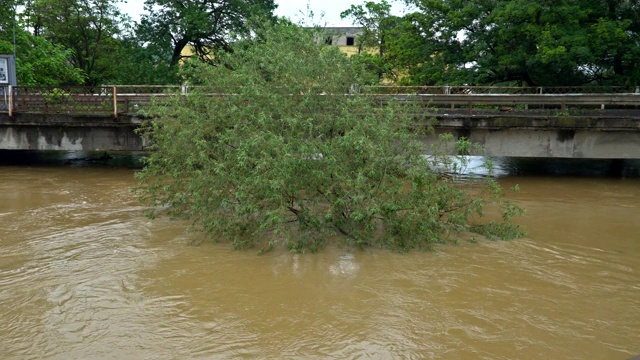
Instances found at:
x=84 y=275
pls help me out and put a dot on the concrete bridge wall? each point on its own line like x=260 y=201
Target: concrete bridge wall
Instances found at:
x=587 y=137
x=69 y=133
x=504 y=135
x=550 y=143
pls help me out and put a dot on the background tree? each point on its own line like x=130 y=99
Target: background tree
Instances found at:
x=38 y=61
x=282 y=155
x=206 y=25
x=615 y=42
x=89 y=28
x=41 y=63
x=532 y=42
x=426 y=55
x=8 y=11
x=139 y=64
x=377 y=25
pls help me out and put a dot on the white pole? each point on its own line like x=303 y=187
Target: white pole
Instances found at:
x=115 y=103
x=10 y=88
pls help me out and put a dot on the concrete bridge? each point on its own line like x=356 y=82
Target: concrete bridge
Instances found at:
x=518 y=122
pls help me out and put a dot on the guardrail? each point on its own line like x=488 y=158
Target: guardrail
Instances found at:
x=127 y=99
x=62 y=99
x=557 y=103
x=498 y=90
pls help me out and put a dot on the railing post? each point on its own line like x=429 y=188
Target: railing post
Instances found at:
x=470 y=107
x=10 y=104
x=115 y=102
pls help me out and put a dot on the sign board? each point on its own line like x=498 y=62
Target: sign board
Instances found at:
x=7 y=79
x=8 y=70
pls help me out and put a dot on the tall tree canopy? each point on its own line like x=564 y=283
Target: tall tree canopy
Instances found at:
x=533 y=42
x=7 y=9
x=206 y=25
x=89 y=28
x=378 y=24
x=38 y=61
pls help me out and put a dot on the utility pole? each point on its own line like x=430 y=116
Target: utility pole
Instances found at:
x=15 y=20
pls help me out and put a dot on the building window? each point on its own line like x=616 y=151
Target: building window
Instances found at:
x=351 y=41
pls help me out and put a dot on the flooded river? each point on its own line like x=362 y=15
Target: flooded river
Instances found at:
x=84 y=275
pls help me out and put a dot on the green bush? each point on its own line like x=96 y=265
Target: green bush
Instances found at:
x=273 y=149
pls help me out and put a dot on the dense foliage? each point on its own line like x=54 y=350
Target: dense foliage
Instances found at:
x=90 y=42
x=474 y=42
x=377 y=26
x=88 y=29
x=531 y=42
x=40 y=61
x=274 y=148
x=206 y=26
x=72 y=42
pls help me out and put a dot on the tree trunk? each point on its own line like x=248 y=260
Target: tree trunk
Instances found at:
x=177 y=50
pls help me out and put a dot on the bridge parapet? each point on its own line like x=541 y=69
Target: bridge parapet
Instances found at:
x=498 y=90
x=127 y=99
x=531 y=104
x=586 y=125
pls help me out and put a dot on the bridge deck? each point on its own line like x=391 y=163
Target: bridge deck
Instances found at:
x=537 y=124
x=115 y=100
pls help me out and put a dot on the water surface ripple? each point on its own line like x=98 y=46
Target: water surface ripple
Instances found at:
x=84 y=275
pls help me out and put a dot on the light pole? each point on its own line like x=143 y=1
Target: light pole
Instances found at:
x=15 y=20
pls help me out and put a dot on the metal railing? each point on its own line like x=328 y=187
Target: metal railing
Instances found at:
x=128 y=99
x=498 y=90
x=86 y=100
x=60 y=99
x=526 y=104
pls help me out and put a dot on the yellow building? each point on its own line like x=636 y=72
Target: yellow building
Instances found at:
x=344 y=37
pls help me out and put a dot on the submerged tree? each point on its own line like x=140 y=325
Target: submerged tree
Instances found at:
x=274 y=149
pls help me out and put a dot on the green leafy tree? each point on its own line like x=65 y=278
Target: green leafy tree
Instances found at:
x=377 y=25
x=533 y=42
x=78 y=42
x=207 y=26
x=89 y=28
x=38 y=61
x=140 y=65
x=41 y=63
x=272 y=150
x=614 y=41
x=8 y=11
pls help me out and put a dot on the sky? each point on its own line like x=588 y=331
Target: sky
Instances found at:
x=326 y=12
